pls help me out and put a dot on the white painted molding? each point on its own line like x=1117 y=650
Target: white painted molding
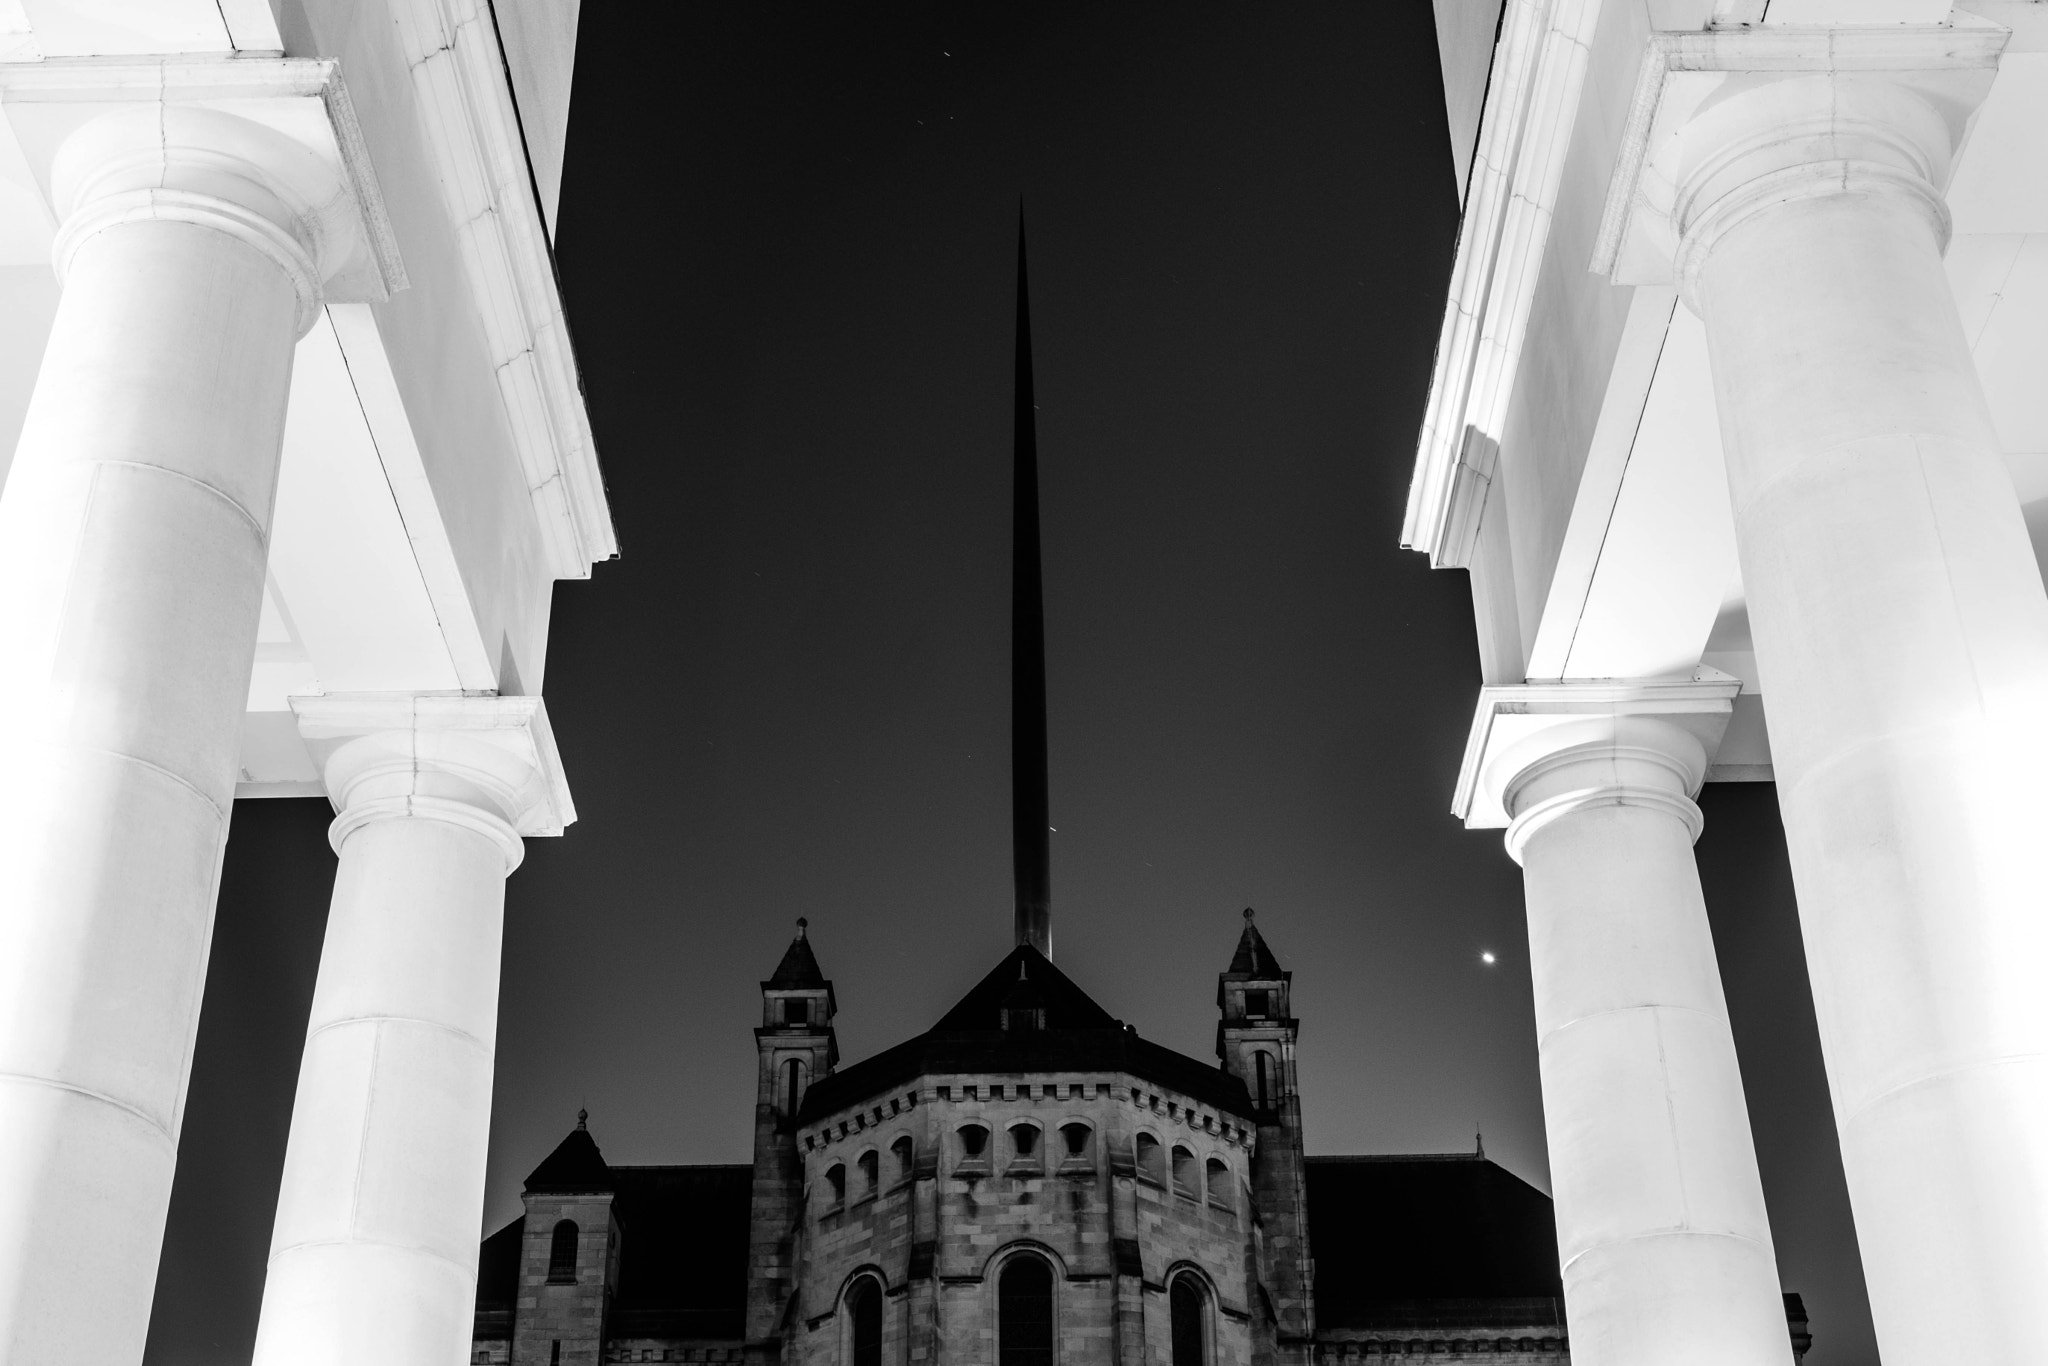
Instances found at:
x=1949 y=64
x=1532 y=103
x=1600 y=480
x=499 y=747
x=1506 y=716
x=470 y=124
x=377 y=393
x=266 y=90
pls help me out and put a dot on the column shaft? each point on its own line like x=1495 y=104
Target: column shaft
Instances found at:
x=133 y=535
x=1662 y=1235
x=374 y=1252
x=1902 y=637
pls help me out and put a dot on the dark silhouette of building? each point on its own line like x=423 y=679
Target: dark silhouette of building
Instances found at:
x=1028 y=1182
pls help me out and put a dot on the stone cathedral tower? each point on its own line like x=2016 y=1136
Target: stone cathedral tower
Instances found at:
x=1029 y=1182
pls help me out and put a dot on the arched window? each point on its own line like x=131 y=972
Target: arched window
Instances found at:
x=562 y=1254
x=973 y=1143
x=1151 y=1162
x=1219 y=1184
x=1024 y=1143
x=1076 y=1138
x=1263 y=1064
x=1187 y=1180
x=835 y=1180
x=792 y=1086
x=1190 y=1309
x=864 y=1308
x=903 y=1150
x=1024 y=1313
x=870 y=1173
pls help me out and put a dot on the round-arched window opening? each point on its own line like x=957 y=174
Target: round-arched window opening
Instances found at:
x=1219 y=1184
x=1024 y=1313
x=864 y=1309
x=1187 y=1180
x=1024 y=1141
x=973 y=1142
x=870 y=1173
x=1075 y=1136
x=1151 y=1161
x=562 y=1254
x=903 y=1150
x=835 y=1181
x=1189 y=1306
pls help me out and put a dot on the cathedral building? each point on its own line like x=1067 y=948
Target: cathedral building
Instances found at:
x=1028 y=1182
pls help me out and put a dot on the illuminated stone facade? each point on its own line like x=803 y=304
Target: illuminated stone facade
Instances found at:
x=1027 y=1182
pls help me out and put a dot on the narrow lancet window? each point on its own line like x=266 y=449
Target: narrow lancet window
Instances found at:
x=1189 y=1308
x=865 y=1306
x=562 y=1254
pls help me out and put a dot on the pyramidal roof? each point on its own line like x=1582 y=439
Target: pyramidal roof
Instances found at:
x=798 y=970
x=574 y=1165
x=1074 y=1034
x=1253 y=958
x=1027 y=976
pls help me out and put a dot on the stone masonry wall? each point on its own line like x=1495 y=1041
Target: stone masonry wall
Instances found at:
x=934 y=1233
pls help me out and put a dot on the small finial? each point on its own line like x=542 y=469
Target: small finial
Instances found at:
x=801 y=925
x=583 y=1120
x=1479 y=1145
x=1247 y=914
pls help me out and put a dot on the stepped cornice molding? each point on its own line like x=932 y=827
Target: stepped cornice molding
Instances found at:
x=273 y=92
x=1532 y=104
x=485 y=762
x=470 y=123
x=1946 y=68
x=1510 y=715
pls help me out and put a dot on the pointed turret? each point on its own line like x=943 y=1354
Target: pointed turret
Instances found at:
x=1255 y=1040
x=797 y=1046
x=569 y=1255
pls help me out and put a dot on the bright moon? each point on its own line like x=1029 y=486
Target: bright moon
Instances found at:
x=1486 y=957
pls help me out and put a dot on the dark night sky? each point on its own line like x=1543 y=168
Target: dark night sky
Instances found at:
x=787 y=242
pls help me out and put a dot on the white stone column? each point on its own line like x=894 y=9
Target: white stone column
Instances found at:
x=1902 y=637
x=373 y=1255
x=133 y=533
x=1662 y=1235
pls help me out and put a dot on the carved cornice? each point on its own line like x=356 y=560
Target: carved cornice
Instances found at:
x=487 y=763
x=1508 y=716
x=1946 y=68
x=1532 y=103
x=471 y=126
x=271 y=92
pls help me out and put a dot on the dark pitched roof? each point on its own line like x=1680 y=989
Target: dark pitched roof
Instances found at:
x=1066 y=1005
x=683 y=1268
x=1253 y=958
x=574 y=1165
x=1078 y=1035
x=798 y=970
x=683 y=1263
x=1406 y=1229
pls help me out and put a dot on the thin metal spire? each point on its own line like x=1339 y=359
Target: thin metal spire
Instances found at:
x=1030 y=805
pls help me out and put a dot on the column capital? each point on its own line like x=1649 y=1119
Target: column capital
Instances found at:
x=266 y=150
x=1728 y=123
x=1658 y=735
x=487 y=763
